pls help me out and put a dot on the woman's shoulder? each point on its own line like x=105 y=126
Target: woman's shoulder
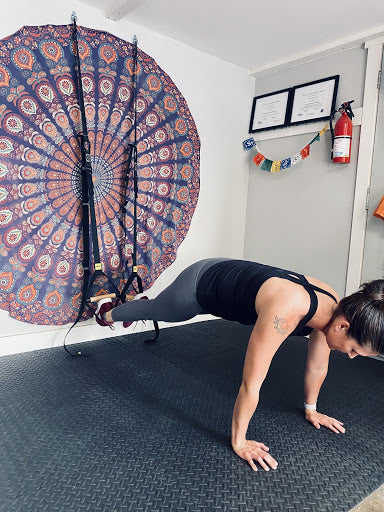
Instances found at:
x=323 y=286
x=282 y=293
x=293 y=300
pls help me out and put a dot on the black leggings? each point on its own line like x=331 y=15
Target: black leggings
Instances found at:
x=176 y=303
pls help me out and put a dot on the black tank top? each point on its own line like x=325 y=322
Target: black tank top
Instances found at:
x=228 y=290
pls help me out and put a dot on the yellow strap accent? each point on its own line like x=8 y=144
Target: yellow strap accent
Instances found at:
x=134 y=269
x=98 y=266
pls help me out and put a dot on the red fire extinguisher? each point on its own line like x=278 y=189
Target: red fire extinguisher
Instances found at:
x=342 y=135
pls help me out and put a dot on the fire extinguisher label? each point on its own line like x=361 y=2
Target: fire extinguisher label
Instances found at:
x=341 y=147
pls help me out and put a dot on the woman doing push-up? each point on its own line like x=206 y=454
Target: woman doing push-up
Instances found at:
x=279 y=303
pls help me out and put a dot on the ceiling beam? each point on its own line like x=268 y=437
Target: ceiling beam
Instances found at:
x=119 y=10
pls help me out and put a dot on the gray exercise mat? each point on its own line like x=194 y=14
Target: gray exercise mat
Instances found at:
x=138 y=427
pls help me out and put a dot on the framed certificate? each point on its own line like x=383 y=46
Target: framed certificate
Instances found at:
x=313 y=101
x=269 y=111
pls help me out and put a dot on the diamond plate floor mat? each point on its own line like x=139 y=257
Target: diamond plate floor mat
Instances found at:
x=136 y=427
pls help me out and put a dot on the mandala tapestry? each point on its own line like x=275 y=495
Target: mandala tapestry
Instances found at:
x=41 y=249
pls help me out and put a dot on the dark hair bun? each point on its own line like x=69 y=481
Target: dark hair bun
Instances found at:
x=374 y=290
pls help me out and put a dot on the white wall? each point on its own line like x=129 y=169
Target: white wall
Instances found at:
x=300 y=218
x=218 y=95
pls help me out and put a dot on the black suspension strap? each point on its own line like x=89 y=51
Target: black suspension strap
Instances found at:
x=132 y=162
x=88 y=221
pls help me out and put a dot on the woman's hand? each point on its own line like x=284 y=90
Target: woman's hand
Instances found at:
x=318 y=419
x=251 y=450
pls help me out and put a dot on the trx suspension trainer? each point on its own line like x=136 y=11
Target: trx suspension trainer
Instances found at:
x=132 y=162
x=88 y=222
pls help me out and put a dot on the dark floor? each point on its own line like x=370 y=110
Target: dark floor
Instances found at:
x=138 y=427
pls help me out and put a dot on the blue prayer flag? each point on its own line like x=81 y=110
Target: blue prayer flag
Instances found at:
x=249 y=143
x=286 y=163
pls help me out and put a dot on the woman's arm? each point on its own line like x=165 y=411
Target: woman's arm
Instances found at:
x=317 y=366
x=315 y=373
x=274 y=324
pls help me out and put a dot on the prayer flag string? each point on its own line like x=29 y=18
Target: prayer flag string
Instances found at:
x=275 y=166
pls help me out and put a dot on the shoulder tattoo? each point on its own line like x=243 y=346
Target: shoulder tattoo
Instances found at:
x=281 y=325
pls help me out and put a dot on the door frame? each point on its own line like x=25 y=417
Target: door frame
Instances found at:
x=374 y=49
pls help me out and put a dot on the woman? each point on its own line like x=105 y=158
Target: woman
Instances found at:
x=279 y=303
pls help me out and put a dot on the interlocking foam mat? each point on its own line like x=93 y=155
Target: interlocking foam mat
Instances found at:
x=146 y=427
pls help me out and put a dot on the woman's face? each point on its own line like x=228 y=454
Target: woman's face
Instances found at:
x=337 y=339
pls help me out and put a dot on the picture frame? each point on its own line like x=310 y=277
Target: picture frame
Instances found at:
x=270 y=111
x=313 y=101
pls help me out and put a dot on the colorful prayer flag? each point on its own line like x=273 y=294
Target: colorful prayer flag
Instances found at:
x=286 y=163
x=305 y=152
x=316 y=138
x=258 y=158
x=249 y=143
x=275 y=166
x=295 y=159
x=266 y=165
